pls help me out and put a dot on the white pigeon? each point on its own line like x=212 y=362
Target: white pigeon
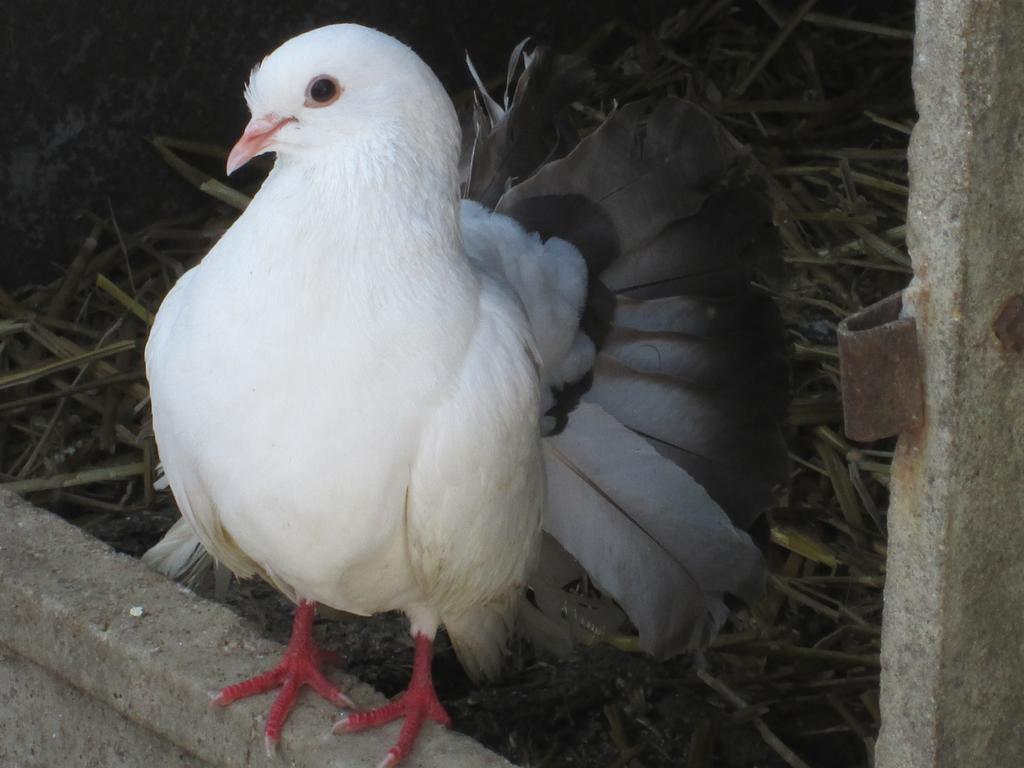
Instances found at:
x=348 y=391
x=344 y=403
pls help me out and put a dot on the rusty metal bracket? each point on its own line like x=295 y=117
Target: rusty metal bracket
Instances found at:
x=881 y=371
x=1009 y=324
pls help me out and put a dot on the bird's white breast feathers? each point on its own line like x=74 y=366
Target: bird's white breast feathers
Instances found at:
x=369 y=449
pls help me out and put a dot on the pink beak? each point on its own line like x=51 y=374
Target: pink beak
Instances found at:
x=255 y=140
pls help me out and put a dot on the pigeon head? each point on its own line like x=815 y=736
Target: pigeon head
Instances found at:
x=344 y=88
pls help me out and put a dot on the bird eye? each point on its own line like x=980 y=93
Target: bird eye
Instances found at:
x=322 y=90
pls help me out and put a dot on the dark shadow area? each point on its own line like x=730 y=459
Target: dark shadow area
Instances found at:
x=86 y=84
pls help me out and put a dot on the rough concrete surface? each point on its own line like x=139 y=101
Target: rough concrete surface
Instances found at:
x=82 y=679
x=953 y=632
x=48 y=723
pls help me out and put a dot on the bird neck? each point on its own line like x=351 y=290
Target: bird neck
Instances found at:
x=370 y=217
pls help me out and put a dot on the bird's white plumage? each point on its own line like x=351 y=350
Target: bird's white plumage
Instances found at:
x=343 y=401
x=550 y=280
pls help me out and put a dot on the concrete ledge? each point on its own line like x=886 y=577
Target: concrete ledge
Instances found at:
x=84 y=682
x=47 y=723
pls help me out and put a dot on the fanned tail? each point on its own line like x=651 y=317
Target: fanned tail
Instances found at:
x=672 y=446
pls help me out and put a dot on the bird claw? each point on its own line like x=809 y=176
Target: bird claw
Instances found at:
x=300 y=666
x=340 y=725
x=270 y=745
x=418 y=704
x=341 y=701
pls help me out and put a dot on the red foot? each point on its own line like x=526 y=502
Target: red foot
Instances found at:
x=417 y=704
x=299 y=666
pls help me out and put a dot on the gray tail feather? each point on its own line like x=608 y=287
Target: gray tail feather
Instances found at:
x=180 y=555
x=503 y=145
x=480 y=636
